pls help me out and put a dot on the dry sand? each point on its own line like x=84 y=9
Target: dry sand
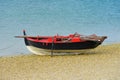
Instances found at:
x=102 y=63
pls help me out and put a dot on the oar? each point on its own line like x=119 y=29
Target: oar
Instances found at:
x=25 y=36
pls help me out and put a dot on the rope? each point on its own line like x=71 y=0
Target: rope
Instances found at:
x=52 y=47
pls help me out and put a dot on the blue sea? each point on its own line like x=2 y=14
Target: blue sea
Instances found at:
x=51 y=17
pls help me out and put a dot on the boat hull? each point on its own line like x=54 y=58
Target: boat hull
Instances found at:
x=59 y=48
x=39 y=51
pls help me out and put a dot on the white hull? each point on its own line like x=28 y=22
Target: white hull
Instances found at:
x=39 y=51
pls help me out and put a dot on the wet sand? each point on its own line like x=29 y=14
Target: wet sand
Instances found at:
x=101 y=63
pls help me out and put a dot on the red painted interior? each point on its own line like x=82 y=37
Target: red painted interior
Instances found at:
x=56 y=39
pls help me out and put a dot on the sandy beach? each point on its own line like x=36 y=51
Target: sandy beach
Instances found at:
x=101 y=63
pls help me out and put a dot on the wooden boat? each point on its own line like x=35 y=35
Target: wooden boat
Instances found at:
x=49 y=45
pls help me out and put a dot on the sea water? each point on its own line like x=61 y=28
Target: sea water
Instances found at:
x=51 y=17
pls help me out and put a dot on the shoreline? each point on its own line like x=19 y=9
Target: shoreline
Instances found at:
x=101 y=63
x=22 y=54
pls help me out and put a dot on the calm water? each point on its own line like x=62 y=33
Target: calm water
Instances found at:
x=49 y=17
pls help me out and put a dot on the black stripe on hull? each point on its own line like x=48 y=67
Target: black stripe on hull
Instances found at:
x=64 y=46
